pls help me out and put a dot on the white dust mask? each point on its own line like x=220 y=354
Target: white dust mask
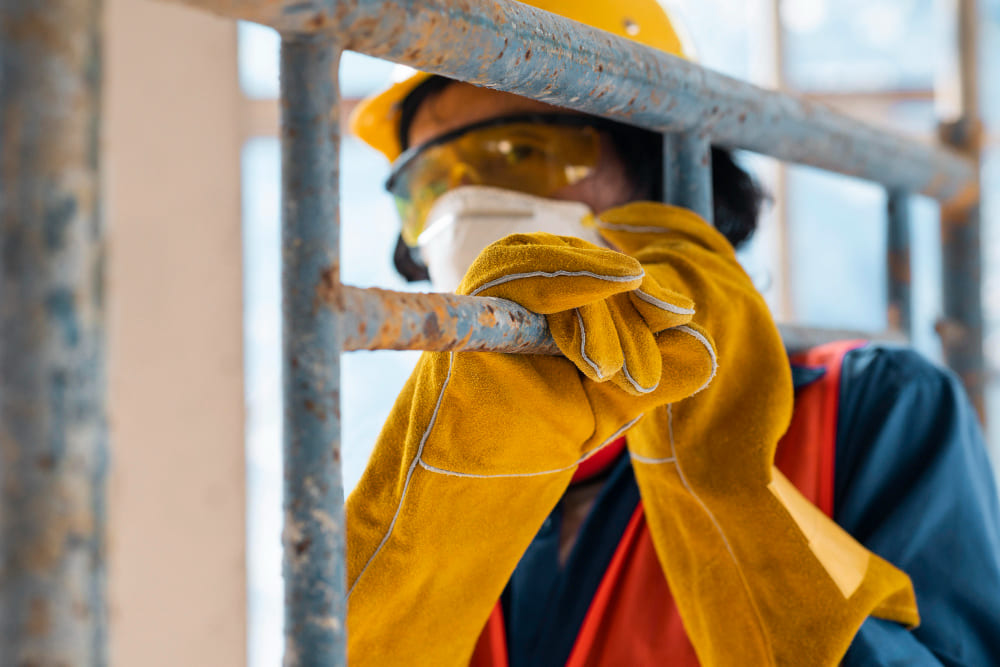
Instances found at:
x=467 y=219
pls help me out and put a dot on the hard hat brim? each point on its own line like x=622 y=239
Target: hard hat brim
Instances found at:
x=376 y=120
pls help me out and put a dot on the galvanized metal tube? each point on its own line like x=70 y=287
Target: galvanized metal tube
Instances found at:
x=376 y=319
x=898 y=276
x=314 y=532
x=961 y=327
x=518 y=48
x=53 y=435
x=687 y=172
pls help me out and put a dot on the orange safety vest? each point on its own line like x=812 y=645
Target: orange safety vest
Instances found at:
x=633 y=619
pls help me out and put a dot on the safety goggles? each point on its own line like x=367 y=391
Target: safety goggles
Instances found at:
x=537 y=154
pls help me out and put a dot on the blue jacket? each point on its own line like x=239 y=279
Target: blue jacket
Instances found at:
x=913 y=483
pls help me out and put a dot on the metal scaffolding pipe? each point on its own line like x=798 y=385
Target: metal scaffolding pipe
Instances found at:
x=961 y=327
x=898 y=272
x=687 y=173
x=53 y=435
x=518 y=48
x=377 y=319
x=314 y=535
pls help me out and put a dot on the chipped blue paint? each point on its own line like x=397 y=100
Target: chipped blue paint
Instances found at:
x=57 y=220
x=60 y=304
x=377 y=319
x=53 y=440
x=314 y=534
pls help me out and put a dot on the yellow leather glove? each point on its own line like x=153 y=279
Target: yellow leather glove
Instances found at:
x=760 y=576
x=617 y=324
x=480 y=447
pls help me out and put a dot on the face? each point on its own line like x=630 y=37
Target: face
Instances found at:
x=461 y=104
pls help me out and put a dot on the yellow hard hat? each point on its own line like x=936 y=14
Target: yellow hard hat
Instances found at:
x=376 y=119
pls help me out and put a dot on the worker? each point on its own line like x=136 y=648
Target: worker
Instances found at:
x=673 y=489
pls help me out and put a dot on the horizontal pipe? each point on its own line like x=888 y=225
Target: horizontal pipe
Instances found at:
x=377 y=319
x=520 y=49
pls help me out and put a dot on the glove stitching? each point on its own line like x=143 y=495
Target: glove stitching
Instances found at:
x=645 y=459
x=614 y=436
x=635 y=385
x=708 y=347
x=663 y=305
x=409 y=476
x=639 y=229
x=583 y=345
x=681 y=213
x=600 y=376
x=555 y=274
x=718 y=528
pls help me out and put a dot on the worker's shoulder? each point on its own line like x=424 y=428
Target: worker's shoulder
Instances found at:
x=878 y=378
x=892 y=367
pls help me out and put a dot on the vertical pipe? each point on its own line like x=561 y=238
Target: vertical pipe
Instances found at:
x=53 y=439
x=313 y=537
x=898 y=275
x=961 y=327
x=766 y=37
x=687 y=172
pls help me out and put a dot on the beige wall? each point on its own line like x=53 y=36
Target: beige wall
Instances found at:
x=177 y=521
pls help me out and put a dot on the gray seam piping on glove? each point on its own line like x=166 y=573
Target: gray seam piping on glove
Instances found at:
x=556 y=274
x=428 y=467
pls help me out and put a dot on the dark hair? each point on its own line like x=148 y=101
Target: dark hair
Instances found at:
x=737 y=198
x=737 y=202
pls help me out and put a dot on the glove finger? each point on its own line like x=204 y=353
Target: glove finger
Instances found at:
x=587 y=336
x=642 y=365
x=688 y=365
x=689 y=362
x=549 y=274
x=661 y=308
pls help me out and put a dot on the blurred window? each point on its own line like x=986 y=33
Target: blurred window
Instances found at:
x=860 y=44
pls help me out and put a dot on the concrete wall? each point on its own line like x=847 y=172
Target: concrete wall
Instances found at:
x=177 y=517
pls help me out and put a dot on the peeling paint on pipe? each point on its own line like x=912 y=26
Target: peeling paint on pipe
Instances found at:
x=488 y=42
x=53 y=435
x=376 y=319
x=314 y=535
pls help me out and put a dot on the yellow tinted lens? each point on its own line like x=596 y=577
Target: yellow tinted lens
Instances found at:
x=536 y=159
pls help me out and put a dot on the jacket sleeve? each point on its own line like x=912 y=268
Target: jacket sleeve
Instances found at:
x=914 y=485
